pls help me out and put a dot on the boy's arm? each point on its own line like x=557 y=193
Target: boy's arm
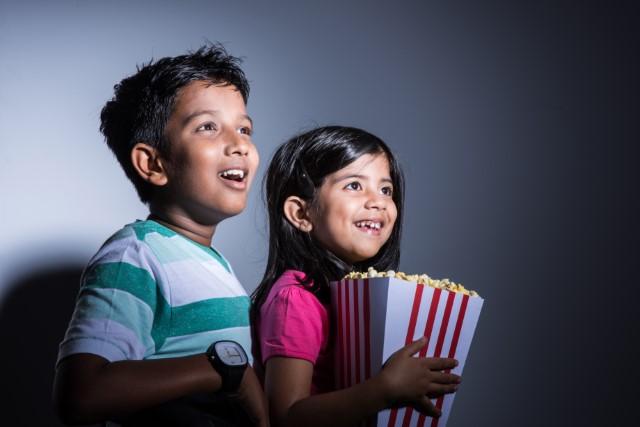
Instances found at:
x=89 y=389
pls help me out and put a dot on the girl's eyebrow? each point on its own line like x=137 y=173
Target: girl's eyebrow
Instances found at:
x=358 y=176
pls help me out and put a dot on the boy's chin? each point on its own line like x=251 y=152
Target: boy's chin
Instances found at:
x=212 y=216
x=230 y=212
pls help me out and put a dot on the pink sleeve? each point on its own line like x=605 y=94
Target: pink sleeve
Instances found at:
x=293 y=324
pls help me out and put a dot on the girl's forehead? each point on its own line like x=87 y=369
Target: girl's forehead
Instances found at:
x=365 y=165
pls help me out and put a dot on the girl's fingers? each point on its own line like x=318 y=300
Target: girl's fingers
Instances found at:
x=437 y=390
x=414 y=347
x=407 y=351
x=426 y=407
x=444 y=378
x=440 y=363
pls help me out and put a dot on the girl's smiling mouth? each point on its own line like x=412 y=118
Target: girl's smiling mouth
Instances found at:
x=369 y=226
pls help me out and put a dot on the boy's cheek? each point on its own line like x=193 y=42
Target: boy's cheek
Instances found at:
x=256 y=157
x=256 y=163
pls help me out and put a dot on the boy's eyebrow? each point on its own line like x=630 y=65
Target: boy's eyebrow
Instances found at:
x=212 y=112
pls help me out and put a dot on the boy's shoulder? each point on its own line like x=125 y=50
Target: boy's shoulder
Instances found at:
x=141 y=240
x=158 y=244
x=134 y=236
x=139 y=230
x=147 y=233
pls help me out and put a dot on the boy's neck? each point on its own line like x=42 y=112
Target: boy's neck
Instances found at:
x=184 y=225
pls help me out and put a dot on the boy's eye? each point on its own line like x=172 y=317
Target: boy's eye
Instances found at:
x=208 y=127
x=387 y=191
x=355 y=185
x=245 y=131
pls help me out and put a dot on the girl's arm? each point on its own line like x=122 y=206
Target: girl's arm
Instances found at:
x=405 y=381
x=89 y=389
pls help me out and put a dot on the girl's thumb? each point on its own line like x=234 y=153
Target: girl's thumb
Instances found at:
x=416 y=346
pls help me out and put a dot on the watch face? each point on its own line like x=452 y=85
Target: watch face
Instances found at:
x=231 y=353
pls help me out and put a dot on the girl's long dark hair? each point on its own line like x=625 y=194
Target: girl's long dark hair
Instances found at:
x=298 y=168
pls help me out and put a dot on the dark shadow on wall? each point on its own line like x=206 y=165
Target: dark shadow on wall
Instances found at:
x=33 y=319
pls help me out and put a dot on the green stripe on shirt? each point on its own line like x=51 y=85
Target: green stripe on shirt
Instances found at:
x=121 y=275
x=218 y=313
x=209 y=314
x=179 y=249
x=114 y=305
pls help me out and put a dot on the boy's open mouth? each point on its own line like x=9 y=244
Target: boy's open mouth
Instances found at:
x=237 y=175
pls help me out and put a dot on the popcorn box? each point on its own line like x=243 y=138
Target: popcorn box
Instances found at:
x=375 y=317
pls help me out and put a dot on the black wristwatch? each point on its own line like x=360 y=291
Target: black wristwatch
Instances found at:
x=229 y=359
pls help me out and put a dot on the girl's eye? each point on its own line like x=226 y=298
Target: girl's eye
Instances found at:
x=355 y=185
x=245 y=131
x=207 y=127
x=387 y=191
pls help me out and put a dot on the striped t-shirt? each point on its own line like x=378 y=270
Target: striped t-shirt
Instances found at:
x=151 y=293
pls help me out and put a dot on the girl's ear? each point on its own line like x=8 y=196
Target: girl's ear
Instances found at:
x=147 y=162
x=296 y=212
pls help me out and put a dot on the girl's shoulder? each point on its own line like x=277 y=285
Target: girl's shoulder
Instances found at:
x=293 y=278
x=292 y=285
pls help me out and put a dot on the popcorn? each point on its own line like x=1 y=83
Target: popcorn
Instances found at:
x=446 y=283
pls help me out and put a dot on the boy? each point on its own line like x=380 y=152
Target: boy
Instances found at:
x=160 y=331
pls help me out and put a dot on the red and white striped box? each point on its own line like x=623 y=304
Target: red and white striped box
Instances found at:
x=376 y=317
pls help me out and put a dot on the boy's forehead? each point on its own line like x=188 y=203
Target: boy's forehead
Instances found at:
x=220 y=101
x=204 y=95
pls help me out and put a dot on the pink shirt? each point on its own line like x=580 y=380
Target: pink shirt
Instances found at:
x=294 y=323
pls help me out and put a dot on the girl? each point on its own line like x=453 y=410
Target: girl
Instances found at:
x=334 y=196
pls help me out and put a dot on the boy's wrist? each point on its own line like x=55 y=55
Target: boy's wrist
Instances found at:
x=230 y=361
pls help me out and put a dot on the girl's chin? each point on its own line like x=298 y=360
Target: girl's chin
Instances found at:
x=354 y=258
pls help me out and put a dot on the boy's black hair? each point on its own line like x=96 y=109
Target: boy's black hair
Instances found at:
x=143 y=102
x=298 y=168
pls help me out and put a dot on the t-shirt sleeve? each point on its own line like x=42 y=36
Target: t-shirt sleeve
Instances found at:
x=114 y=311
x=292 y=324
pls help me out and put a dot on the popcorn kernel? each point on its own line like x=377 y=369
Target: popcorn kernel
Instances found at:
x=445 y=283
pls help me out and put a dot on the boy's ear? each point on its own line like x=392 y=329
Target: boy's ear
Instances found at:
x=147 y=162
x=296 y=211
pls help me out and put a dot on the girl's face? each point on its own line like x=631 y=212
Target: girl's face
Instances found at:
x=354 y=213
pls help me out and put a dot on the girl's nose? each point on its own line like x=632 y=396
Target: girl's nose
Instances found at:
x=375 y=200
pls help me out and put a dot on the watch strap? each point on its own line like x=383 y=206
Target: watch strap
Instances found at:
x=231 y=376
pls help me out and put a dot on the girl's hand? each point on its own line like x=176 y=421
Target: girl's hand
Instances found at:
x=411 y=381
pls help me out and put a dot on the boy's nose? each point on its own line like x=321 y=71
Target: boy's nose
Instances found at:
x=238 y=144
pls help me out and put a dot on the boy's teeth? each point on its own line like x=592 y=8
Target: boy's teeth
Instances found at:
x=233 y=173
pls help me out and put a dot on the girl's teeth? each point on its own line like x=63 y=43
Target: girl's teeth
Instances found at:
x=369 y=224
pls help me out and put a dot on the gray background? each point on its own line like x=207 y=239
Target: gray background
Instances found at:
x=515 y=122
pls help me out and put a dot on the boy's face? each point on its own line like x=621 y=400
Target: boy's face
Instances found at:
x=212 y=159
